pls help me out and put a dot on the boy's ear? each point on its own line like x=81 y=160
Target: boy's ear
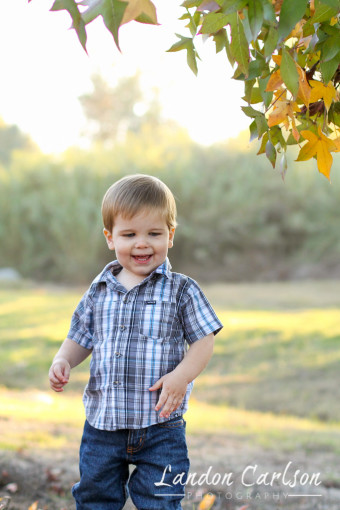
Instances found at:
x=109 y=240
x=171 y=237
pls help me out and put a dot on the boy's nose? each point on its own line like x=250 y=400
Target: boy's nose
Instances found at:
x=141 y=242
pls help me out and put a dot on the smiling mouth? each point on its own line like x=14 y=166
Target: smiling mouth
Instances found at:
x=142 y=258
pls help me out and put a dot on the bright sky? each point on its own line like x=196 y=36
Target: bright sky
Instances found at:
x=44 y=70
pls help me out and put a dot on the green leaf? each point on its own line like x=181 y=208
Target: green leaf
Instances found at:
x=253 y=131
x=192 y=26
x=270 y=41
x=77 y=22
x=261 y=124
x=113 y=13
x=92 y=12
x=220 y=39
x=182 y=44
x=186 y=43
x=213 y=22
x=330 y=48
x=185 y=16
x=264 y=141
x=248 y=88
x=191 y=58
x=255 y=16
x=230 y=6
x=239 y=44
x=251 y=112
x=331 y=3
x=271 y=153
x=289 y=73
x=334 y=113
x=330 y=30
x=276 y=137
x=329 y=68
x=291 y=140
x=323 y=12
x=229 y=54
x=191 y=3
x=266 y=96
x=246 y=26
x=291 y=12
x=268 y=12
x=255 y=69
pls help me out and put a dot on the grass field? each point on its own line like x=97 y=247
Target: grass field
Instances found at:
x=274 y=378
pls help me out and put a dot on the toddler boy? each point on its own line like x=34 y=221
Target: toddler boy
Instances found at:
x=136 y=320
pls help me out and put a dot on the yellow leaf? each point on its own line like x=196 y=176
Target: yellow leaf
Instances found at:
x=298 y=29
x=277 y=59
x=281 y=112
x=337 y=144
x=34 y=506
x=307 y=151
x=333 y=21
x=207 y=502
x=137 y=8
x=328 y=141
x=324 y=159
x=309 y=135
x=304 y=89
x=312 y=7
x=277 y=4
x=274 y=82
x=295 y=132
x=321 y=146
x=321 y=91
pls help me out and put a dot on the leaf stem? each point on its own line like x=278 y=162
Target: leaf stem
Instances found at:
x=271 y=105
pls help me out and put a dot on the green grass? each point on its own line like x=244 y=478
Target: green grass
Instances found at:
x=272 y=380
x=33 y=323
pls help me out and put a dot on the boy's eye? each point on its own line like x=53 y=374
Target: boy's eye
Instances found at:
x=155 y=234
x=129 y=235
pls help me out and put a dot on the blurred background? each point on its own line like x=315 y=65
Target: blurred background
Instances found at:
x=267 y=252
x=74 y=123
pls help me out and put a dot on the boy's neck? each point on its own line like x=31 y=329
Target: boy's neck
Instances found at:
x=129 y=280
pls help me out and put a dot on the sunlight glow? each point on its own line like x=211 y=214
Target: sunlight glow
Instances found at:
x=45 y=70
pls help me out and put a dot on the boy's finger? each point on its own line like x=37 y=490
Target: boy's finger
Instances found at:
x=61 y=373
x=158 y=384
x=161 y=401
x=169 y=407
x=57 y=388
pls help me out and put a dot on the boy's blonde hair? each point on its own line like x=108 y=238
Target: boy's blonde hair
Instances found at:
x=132 y=194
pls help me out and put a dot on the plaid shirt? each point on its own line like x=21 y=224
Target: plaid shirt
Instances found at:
x=136 y=337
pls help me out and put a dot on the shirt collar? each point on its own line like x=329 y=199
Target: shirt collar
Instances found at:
x=113 y=268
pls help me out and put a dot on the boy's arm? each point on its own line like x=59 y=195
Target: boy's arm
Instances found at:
x=174 y=384
x=69 y=356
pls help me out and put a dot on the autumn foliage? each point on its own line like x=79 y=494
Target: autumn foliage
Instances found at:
x=286 y=52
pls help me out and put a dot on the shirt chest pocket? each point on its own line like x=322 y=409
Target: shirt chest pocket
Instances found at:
x=159 y=319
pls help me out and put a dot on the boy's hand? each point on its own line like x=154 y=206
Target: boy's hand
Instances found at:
x=174 y=386
x=59 y=374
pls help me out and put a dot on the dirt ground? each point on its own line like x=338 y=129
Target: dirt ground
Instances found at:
x=254 y=479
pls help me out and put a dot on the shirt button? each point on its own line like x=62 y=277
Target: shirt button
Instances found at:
x=116 y=383
x=117 y=354
x=125 y=300
x=122 y=327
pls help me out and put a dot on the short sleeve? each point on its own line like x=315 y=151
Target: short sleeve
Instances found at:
x=196 y=314
x=81 y=329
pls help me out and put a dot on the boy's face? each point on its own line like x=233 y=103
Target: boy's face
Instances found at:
x=141 y=243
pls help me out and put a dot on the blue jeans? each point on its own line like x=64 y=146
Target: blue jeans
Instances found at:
x=159 y=453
